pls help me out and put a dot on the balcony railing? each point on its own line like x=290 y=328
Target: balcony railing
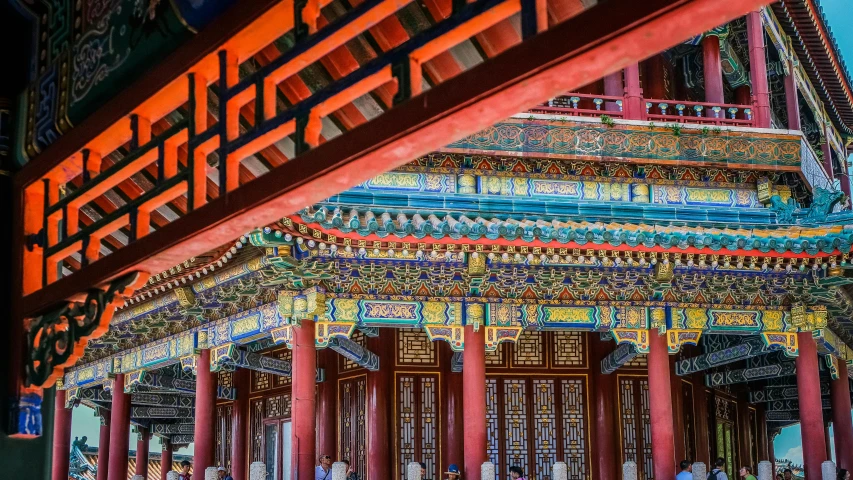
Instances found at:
x=585 y=105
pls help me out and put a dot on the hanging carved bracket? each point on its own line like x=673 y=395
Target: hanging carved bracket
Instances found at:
x=784 y=341
x=283 y=335
x=355 y=352
x=57 y=339
x=497 y=335
x=638 y=338
x=675 y=339
x=750 y=347
x=623 y=354
x=750 y=374
x=326 y=331
x=452 y=334
x=457 y=361
x=231 y=356
x=832 y=366
x=770 y=394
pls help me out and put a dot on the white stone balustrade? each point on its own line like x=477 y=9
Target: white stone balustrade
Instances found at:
x=413 y=471
x=137 y=477
x=827 y=470
x=560 y=471
x=211 y=473
x=257 y=471
x=339 y=471
x=700 y=471
x=629 y=471
x=487 y=471
x=172 y=476
x=765 y=470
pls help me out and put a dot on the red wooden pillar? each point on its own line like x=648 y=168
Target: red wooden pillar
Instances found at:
x=240 y=425
x=677 y=395
x=61 y=437
x=304 y=434
x=327 y=402
x=653 y=78
x=474 y=401
x=119 y=430
x=842 y=422
x=792 y=102
x=142 y=444
x=634 y=108
x=166 y=460
x=613 y=87
x=758 y=69
x=605 y=425
x=660 y=410
x=104 y=446
x=713 y=70
x=827 y=155
x=453 y=424
x=378 y=405
x=205 y=415
x=811 y=410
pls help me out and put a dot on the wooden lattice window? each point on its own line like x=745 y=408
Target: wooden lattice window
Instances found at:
x=415 y=348
x=529 y=351
x=534 y=422
x=352 y=423
x=417 y=423
x=569 y=349
x=222 y=454
x=636 y=424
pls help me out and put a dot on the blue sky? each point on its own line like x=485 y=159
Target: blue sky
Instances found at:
x=788 y=444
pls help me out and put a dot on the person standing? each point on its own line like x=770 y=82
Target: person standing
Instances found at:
x=719 y=471
x=222 y=474
x=686 y=471
x=185 y=471
x=324 y=469
x=746 y=473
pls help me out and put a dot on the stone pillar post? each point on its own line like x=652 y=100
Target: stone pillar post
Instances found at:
x=339 y=471
x=142 y=439
x=660 y=400
x=811 y=409
x=560 y=471
x=172 y=476
x=304 y=433
x=792 y=102
x=378 y=405
x=119 y=430
x=758 y=69
x=700 y=472
x=765 y=470
x=240 y=425
x=211 y=473
x=842 y=423
x=166 y=459
x=205 y=414
x=713 y=71
x=487 y=470
x=258 y=471
x=827 y=470
x=474 y=402
x=104 y=445
x=61 y=437
x=413 y=471
x=629 y=471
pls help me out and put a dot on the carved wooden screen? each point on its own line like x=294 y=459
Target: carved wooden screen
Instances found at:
x=264 y=412
x=352 y=423
x=417 y=422
x=532 y=422
x=222 y=454
x=636 y=432
x=726 y=428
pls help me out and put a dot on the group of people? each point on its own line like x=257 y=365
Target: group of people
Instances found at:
x=323 y=471
x=719 y=472
x=185 y=474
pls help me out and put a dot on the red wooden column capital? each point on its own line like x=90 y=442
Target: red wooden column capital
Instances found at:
x=304 y=434
x=713 y=70
x=378 y=405
x=240 y=425
x=166 y=460
x=119 y=430
x=474 y=401
x=811 y=409
x=842 y=422
x=61 y=437
x=142 y=443
x=660 y=408
x=205 y=415
x=758 y=69
x=104 y=446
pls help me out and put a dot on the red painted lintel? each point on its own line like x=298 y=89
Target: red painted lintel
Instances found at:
x=540 y=68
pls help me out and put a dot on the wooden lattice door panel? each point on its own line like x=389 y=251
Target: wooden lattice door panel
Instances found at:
x=689 y=420
x=534 y=422
x=222 y=453
x=352 y=423
x=635 y=424
x=726 y=436
x=417 y=422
